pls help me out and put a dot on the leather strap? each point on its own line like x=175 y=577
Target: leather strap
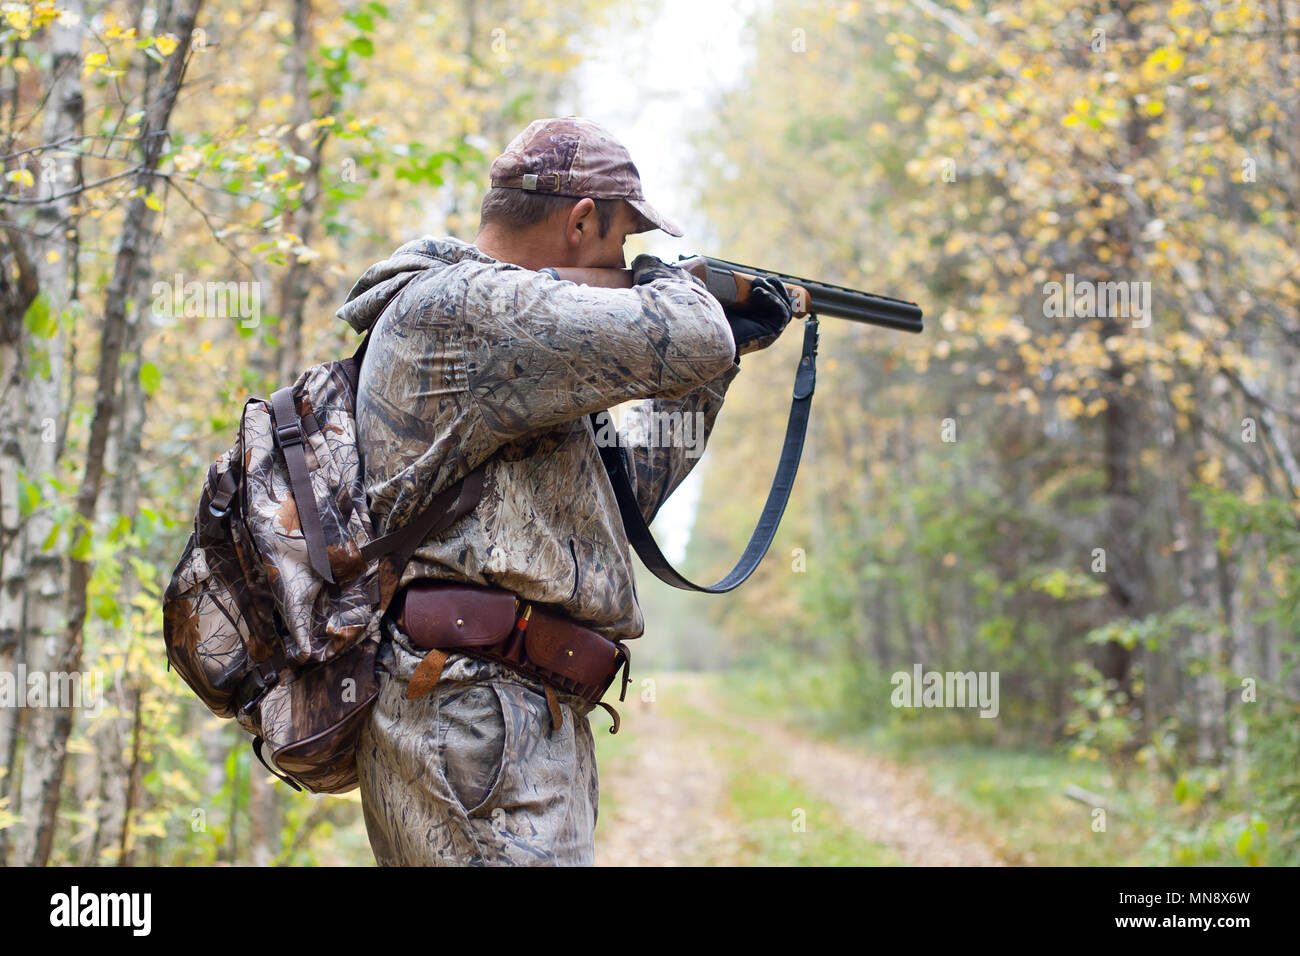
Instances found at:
x=553 y=704
x=427 y=673
x=612 y=712
x=634 y=524
x=257 y=749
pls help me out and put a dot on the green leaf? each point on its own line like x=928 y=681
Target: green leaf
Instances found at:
x=80 y=550
x=51 y=539
x=360 y=19
x=29 y=497
x=362 y=46
x=40 y=321
x=150 y=378
x=106 y=608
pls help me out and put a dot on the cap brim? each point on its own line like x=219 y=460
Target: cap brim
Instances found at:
x=654 y=219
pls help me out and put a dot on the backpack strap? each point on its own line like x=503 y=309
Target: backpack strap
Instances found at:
x=289 y=436
x=352 y=364
x=448 y=506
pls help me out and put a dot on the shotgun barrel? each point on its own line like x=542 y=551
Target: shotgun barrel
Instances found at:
x=729 y=283
x=724 y=280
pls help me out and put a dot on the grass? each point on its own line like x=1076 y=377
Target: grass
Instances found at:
x=1011 y=798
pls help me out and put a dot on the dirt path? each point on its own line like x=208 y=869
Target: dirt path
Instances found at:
x=670 y=794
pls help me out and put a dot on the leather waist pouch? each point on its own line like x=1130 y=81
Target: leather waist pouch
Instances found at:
x=493 y=623
x=455 y=615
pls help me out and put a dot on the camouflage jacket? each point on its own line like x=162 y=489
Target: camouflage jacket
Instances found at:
x=474 y=360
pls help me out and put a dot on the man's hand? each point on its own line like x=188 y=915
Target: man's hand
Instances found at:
x=647 y=268
x=761 y=320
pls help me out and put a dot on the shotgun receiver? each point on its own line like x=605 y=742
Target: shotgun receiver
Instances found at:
x=729 y=284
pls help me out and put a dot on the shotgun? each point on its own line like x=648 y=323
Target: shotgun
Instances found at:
x=729 y=283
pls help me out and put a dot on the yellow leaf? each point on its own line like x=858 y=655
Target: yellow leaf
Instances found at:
x=166 y=44
x=153 y=202
x=19 y=18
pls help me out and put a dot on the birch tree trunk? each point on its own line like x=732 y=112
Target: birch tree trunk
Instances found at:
x=15 y=298
x=55 y=256
x=47 y=781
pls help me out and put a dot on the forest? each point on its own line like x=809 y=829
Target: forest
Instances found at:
x=1081 y=478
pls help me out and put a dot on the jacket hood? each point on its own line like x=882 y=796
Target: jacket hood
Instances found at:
x=370 y=295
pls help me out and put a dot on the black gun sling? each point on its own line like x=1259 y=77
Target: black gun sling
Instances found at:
x=634 y=524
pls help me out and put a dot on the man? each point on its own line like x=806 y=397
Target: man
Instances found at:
x=477 y=357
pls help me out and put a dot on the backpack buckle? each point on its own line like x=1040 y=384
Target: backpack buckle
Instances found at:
x=288 y=434
x=261 y=685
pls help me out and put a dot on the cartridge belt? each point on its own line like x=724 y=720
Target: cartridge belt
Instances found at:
x=498 y=625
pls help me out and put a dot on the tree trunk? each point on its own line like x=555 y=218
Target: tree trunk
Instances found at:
x=301 y=222
x=48 y=783
x=15 y=298
x=55 y=255
x=110 y=736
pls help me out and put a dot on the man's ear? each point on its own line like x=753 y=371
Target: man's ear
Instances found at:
x=580 y=216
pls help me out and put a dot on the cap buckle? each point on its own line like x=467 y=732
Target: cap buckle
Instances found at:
x=530 y=182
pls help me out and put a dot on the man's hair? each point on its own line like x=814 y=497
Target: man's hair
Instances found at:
x=518 y=209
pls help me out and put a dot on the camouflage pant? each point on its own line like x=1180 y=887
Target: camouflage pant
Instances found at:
x=471 y=773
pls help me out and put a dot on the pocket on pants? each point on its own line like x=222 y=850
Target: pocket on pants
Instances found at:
x=473 y=745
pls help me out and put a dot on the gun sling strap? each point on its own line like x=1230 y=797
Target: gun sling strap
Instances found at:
x=638 y=533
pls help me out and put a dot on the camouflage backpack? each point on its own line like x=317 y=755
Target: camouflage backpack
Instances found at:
x=272 y=613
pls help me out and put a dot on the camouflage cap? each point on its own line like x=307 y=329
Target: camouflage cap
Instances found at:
x=571 y=156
